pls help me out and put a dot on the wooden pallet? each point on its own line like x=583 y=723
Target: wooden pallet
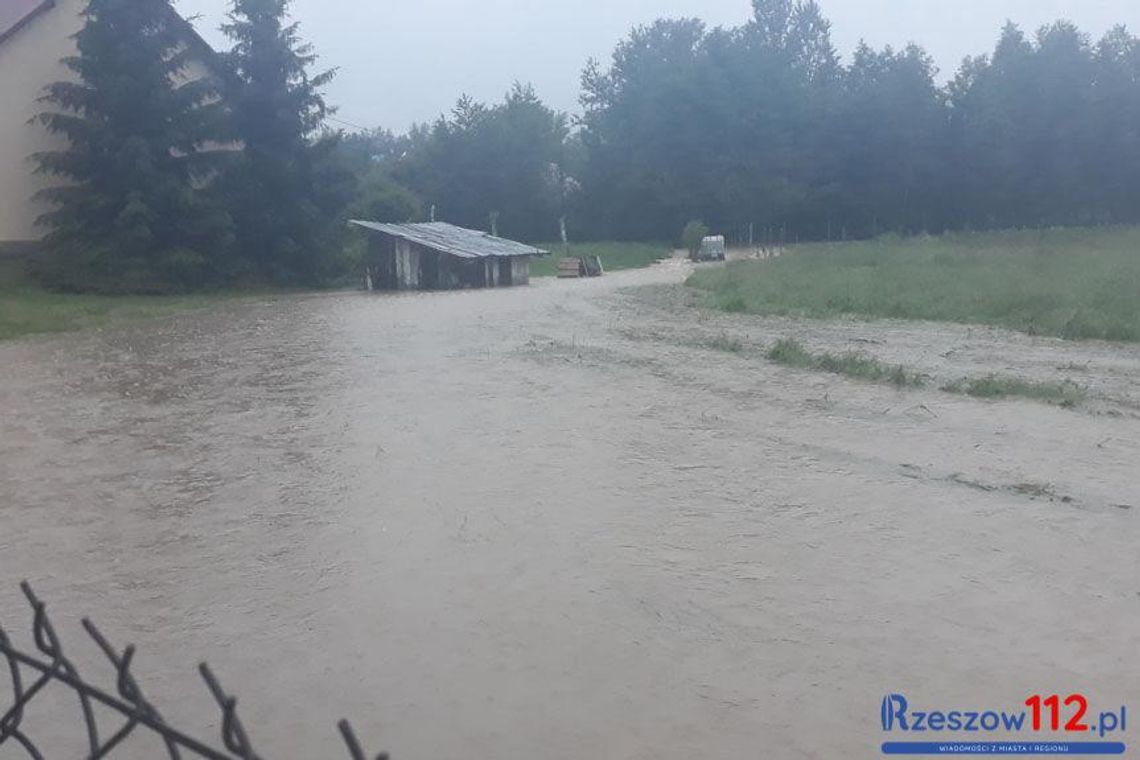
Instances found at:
x=570 y=267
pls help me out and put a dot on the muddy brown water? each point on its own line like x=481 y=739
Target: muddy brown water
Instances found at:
x=552 y=522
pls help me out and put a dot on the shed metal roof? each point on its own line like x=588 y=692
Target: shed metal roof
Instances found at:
x=457 y=241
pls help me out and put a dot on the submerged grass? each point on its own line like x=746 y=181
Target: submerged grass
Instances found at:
x=727 y=343
x=1066 y=394
x=791 y=353
x=1070 y=283
x=614 y=255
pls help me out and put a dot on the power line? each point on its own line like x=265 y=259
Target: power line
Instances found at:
x=347 y=123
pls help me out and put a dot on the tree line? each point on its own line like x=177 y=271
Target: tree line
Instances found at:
x=764 y=127
x=760 y=127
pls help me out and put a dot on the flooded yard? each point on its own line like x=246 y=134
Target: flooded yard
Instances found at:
x=552 y=522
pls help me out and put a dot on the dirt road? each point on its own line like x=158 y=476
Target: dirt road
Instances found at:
x=553 y=522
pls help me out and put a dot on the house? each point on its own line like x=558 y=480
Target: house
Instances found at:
x=441 y=256
x=34 y=36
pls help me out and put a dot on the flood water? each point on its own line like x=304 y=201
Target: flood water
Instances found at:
x=505 y=524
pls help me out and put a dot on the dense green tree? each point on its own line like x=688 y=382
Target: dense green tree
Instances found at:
x=1114 y=123
x=814 y=54
x=889 y=167
x=763 y=132
x=382 y=199
x=762 y=127
x=647 y=132
x=505 y=160
x=291 y=188
x=734 y=126
x=772 y=23
x=693 y=235
x=372 y=147
x=1025 y=147
x=132 y=213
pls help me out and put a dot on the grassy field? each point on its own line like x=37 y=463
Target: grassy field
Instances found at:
x=615 y=256
x=1077 y=284
x=26 y=308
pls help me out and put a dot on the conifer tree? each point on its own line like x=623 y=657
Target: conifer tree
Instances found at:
x=289 y=193
x=131 y=211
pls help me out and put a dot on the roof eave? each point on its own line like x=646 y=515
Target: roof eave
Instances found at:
x=212 y=58
x=27 y=19
x=412 y=233
x=193 y=38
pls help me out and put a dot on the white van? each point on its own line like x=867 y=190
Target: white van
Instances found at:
x=712 y=249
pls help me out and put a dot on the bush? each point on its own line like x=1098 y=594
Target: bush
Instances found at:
x=692 y=236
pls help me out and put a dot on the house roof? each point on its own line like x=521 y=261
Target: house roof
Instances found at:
x=15 y=13
x=457 y=241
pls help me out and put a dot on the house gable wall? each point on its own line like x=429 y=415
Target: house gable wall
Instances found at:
x=29 y=60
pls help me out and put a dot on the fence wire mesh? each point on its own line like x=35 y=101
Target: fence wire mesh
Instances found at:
x=31 y=672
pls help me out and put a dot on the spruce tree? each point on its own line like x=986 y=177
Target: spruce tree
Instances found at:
x=131 y=213
x=289 y=192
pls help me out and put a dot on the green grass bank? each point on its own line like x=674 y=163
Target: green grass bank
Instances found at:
x=26 y=308
x=1071 y=283
x=615 y=256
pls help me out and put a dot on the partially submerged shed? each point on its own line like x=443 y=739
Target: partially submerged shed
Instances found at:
x=441 y=256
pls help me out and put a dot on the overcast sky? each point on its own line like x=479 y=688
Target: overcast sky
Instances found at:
x=403 y=61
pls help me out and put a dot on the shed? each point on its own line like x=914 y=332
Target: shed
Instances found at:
x=441 y=256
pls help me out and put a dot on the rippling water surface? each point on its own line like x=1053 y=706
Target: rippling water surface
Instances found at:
x=504 y=524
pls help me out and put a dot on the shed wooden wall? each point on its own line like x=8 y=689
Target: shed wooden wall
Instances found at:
x=408 y=265
x=520 y=270
x=399 y=264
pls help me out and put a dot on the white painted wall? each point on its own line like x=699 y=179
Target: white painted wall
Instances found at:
x=29 y=60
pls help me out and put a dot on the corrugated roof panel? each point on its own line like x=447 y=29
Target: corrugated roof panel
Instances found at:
x=457 y=241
